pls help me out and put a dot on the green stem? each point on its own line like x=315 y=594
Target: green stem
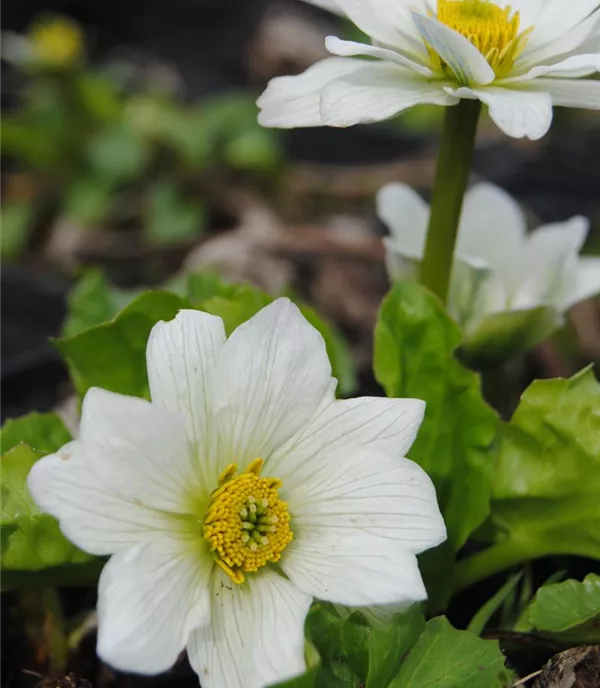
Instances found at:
x=452 y=174
x=493 y=560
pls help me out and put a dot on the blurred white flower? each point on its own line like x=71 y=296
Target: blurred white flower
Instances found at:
x=243 y=458
x=519 y=58
x=498 y=266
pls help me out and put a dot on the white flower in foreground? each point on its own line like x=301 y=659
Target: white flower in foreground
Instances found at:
x=243 y=459
x=498 y=266
x=519 y=58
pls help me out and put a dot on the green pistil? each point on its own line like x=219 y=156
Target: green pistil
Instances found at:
x=256 y=521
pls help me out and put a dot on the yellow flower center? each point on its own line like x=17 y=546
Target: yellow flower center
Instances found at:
x=246 y=523
x=494 y=31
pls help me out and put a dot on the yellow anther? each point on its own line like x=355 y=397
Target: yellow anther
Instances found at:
x=493 y=30
x=241 y=512
x=228 y=473
x=255 y=467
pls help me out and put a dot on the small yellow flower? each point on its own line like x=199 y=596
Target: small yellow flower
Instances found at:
x=56 y=43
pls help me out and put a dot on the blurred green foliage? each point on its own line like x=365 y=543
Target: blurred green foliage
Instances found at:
x=90 y=151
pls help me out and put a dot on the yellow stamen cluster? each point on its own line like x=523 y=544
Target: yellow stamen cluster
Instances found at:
x=494 y=31
x=246 y=523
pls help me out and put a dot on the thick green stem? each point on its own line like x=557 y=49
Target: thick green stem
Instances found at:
x=453 y=168
x=493 y=560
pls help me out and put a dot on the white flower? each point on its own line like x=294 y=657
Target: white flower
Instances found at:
x=498 y=266
x=243 y=458
x=519 y=58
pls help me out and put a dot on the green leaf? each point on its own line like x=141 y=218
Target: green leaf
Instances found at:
x=201 y=286
x=99 y=95
x=237 y=306
x=486 y=611
x=342 y=646
x=228 y=116
x=25 y=137
x=568 y=611
x=112 y=355
x=43 y=432
x=169 y=123
x=446 y=658
x=414 y=357
x=17 y=221
x=31 y=540
x=253 y=151
x=93 y=301
x=306 y=680
x=170 y=217
x=502 y=335
x=389 y=646
x=546 y=496
x=89 y=200
x=118 y=153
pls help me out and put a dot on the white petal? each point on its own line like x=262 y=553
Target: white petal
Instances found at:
x=543 y=50
x=349 y=462
x=579 y=93
x=561 y=29
x=365 y=491
x=518 y=113
x=150 y=598
x=90 y=514
x=182 y=356
x=544 y=261
x=272 y=376
x=560 y=15
x=587 y=282
x=388 y=22
x=139 y=449
x=592 y=42
x=571 y=67
x=371 y=423
x=529 y=10
x=492 y=227
x=399 y=265
x=357 y=571
x=469 y=66
x=475 y=292
x=293 y=101
x=406 y=215
x=377 y=92
x=351 y=49
x=256 y=636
